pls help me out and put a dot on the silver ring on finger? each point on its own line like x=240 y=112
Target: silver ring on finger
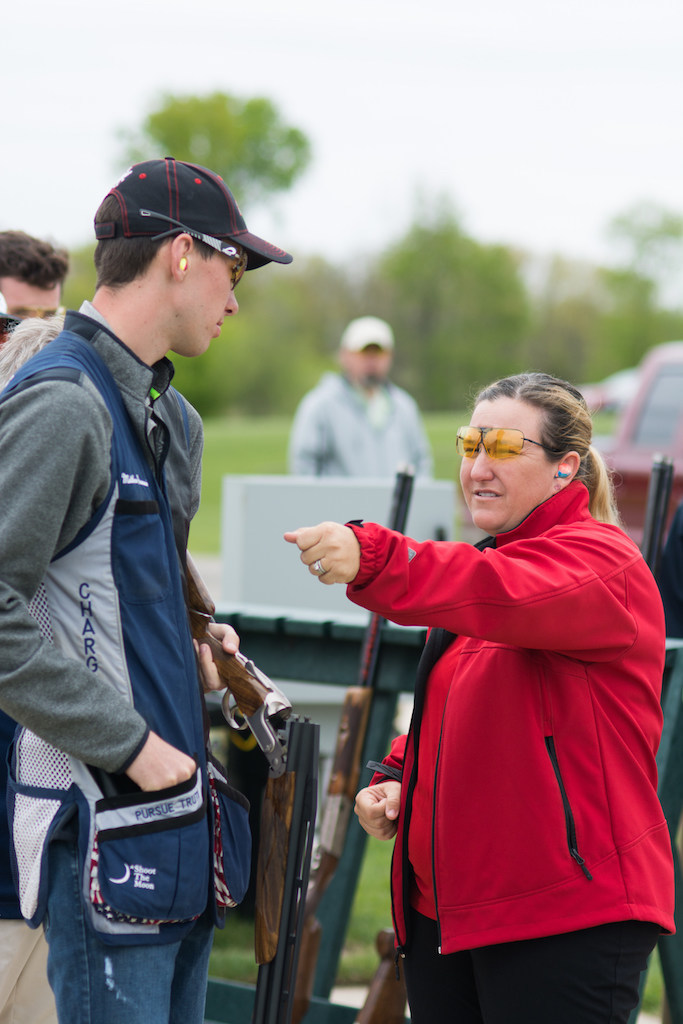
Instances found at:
x=318 y=568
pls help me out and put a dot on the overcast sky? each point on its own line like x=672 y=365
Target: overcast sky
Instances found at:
x=539 y=120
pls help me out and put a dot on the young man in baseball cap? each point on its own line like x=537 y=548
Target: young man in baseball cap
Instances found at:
x=117 y=808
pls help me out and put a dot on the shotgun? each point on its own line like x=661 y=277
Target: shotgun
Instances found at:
x=290 y=746
x=343 y=784
x=261 y=703
x=656 y=508
x=284 y=861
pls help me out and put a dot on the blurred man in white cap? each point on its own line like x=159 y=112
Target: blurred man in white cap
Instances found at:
x=358 y=423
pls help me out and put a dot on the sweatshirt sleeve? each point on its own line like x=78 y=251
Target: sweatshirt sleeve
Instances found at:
x=393 y=762
x=570 y=589
x=54 y=472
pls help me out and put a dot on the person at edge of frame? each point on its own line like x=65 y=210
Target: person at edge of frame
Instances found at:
x=32 y=274
x=128 y=839
x=532 y=871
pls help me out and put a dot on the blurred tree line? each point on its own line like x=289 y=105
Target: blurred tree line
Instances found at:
x=463 y=311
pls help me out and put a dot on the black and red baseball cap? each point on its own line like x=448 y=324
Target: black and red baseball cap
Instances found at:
x=185 y=197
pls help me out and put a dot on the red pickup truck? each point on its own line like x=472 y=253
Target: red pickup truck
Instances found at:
x=651 y=424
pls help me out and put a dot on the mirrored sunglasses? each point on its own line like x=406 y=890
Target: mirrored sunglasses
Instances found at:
x=229 y=249
x=498 y=442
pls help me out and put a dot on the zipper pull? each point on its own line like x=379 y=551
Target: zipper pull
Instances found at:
x=581 y=862
x=398 y=955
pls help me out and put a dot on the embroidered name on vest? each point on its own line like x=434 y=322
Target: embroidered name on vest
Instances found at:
x=88 y=631
x=133 y=478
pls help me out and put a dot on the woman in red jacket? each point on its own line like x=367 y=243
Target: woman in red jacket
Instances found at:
x=532 y=871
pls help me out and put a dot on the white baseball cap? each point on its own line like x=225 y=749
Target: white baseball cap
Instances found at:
x=367 y=330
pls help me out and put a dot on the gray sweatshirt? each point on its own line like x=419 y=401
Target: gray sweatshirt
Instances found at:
x=333 y=435
x=54 y=472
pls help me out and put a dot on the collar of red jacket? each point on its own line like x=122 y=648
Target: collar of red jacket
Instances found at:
x=567 y=506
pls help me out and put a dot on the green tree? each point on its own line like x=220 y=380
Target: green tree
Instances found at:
x=278 y=346
x=569 y=300
x=80 y=281
x=635 y=320
x=244 y=140
x=649 y=239
x=646 y=286
x=458 y=307
x=589 y=321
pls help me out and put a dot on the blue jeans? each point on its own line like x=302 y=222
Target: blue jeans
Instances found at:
x=96 y=983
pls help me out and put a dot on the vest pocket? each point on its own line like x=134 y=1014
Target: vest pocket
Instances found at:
x=149 y=859
x=140 y=568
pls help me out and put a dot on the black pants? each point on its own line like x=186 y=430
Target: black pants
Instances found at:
x=583 y=977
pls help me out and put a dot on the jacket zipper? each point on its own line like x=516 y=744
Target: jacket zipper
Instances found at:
x=568 y=814
x=442 y=640
x=405 y=869
x=436 y=775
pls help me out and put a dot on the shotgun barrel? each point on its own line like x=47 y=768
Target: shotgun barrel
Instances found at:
x=656 y=510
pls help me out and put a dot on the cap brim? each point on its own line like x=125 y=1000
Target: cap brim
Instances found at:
x=259 y=251
x=381 y=345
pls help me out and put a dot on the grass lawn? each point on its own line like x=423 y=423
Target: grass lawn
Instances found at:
x=238 y=446
x=233 y=949
x=242 y=446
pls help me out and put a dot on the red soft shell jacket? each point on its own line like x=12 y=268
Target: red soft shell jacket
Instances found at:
x=545 y=810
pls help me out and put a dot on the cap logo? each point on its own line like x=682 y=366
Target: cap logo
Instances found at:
x=124 y=176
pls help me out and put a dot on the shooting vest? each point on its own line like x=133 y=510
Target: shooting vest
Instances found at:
x=114 y=601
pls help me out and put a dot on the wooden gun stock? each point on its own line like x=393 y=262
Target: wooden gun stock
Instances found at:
x=258 y=699
x=285 y=849
x=341 y=793
x=276 y=824
x=249 y=692
x=386 y=999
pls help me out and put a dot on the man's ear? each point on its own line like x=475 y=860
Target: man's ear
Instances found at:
x=179 y=256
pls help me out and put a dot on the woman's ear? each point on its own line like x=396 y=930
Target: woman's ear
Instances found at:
x=568 y=467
